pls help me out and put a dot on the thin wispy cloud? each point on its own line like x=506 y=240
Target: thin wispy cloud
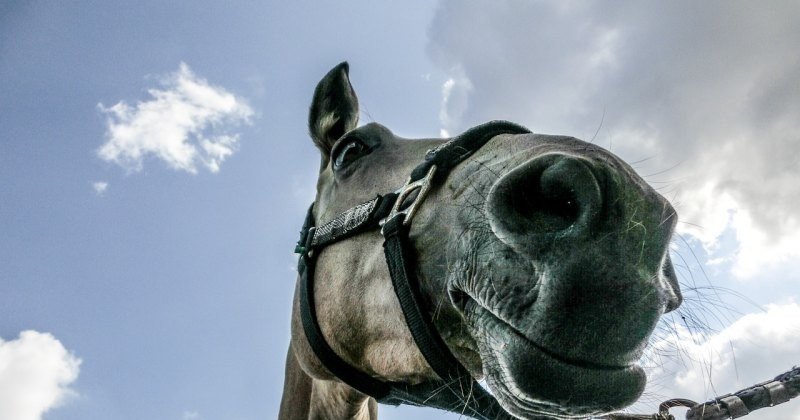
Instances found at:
x=455 y=91
x=100 y=187
x=714 y=95
x=755 y=348
x=190 y=415
x=185 y=123
x=35 y=373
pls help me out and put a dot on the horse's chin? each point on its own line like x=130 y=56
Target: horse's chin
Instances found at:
x=530 y=381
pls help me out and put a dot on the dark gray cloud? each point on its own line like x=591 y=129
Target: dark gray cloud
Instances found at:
x=712 y=87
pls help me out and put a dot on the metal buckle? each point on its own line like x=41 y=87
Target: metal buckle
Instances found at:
x=421 y=187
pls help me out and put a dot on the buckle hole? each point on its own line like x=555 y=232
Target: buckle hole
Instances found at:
x=408 y=198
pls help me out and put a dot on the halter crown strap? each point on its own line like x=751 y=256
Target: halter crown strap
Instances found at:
x=455 y=151
x=457 y=391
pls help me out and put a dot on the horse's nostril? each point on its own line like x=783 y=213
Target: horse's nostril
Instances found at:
x=547 y=202
x=672 y=290
x=548 y=194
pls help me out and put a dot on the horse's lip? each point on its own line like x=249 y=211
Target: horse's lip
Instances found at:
x=546 y=383
x=470 y=304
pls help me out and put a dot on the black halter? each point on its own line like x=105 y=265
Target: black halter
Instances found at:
x=456 y=390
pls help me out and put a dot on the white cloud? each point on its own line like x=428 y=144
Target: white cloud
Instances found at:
x=100 y=187
x=717 y=212
x=35 y=373
x=455 y=93
x=755 y=348
x=191 y=415
x=182 y=124
x=716 y=94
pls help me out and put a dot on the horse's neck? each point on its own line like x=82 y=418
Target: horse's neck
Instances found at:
x=334 y=400
x=297 y=388
x=307 y=398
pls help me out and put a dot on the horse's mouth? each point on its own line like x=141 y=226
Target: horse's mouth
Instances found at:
x=530 y=380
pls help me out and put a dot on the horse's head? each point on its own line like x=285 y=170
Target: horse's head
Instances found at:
x=543 y=261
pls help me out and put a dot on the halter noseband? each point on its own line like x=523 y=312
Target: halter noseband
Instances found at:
x=456 y=390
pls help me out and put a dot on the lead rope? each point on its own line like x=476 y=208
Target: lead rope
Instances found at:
x=730 y=406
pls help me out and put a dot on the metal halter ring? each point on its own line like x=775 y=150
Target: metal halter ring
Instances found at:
x=663 y=408
x=409 y=196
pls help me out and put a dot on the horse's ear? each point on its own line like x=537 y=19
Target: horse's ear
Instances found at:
x=334 y=110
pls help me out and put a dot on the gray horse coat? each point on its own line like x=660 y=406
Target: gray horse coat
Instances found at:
x=543 y=262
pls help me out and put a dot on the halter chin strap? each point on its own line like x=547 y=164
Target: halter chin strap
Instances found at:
x=456 y=390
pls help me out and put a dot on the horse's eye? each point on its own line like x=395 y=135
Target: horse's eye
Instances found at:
x=346 y=153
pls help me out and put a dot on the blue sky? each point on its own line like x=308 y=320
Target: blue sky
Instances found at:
x=172 y=284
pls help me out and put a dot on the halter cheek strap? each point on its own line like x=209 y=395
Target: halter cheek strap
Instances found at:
x=456 y=390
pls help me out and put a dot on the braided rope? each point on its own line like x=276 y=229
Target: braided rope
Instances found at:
x=730 y=406
x=766 y=394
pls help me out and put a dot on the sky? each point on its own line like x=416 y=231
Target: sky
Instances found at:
x=155 y=169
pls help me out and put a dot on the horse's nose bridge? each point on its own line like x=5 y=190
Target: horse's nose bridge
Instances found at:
x=564 y=207
x=599 y=235
x=563 y=195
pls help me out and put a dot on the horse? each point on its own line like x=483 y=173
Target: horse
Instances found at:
x=539 y=263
